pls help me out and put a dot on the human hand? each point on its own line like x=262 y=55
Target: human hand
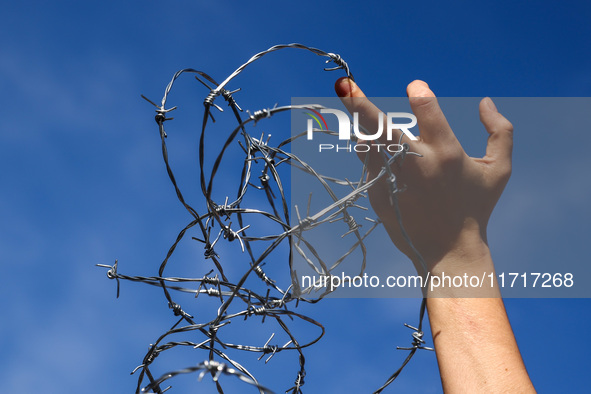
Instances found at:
x=449 y=196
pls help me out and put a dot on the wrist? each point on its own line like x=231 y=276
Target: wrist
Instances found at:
x=469 y=253
x=465 y=271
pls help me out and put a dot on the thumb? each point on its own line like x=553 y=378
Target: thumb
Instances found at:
x=500 y=130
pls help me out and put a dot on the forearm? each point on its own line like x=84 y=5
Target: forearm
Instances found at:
x=475 y=346
x=447 y=201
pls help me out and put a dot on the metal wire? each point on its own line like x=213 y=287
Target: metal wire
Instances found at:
x=268 y=298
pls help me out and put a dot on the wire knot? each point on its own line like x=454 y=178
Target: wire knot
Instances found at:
x=260 y=114
x=340 y=64
x=227 y=95
x=222 y=210
x=210 y=280
x=213 y=292
x=257 y=311
x=112 y=273
x=306 y=222
x=176 y=308
x=210 y=97
x=299 y=382
x=209 y=252
x=261 y=274
x=352 y=223
x=391 y=182
x=417 y=340
x=265 y=178
x=231 y=235
x=151 y=356
x=350 y=220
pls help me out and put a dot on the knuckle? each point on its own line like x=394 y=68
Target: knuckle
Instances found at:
x=507 y=126
x=501 y=176
x=502 y=126
x=505 y=171
x=450 y=158
x=420 y=102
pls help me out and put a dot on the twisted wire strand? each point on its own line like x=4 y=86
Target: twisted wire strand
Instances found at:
x=239 y=300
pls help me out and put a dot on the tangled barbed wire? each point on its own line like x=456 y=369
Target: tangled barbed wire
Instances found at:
x=232 y=221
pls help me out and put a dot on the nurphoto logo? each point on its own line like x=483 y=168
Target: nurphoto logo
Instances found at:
x=345 y=127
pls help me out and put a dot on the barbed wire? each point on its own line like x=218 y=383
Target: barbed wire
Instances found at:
x=268 y=298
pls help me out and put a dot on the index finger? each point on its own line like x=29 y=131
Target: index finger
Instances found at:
x=369 y=117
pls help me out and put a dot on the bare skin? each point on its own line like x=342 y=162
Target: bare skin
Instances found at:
x=445 y=211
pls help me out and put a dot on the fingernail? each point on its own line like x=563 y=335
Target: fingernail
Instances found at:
x=418 y=88
x=490 y=105
x=344 y=87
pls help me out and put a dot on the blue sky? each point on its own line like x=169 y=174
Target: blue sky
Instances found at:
x=83 y=181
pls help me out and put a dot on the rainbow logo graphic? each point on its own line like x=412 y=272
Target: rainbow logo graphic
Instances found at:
x=317 y=117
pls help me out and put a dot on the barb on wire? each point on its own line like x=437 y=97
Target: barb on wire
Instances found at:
x=213 y=367
x=254 y=293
